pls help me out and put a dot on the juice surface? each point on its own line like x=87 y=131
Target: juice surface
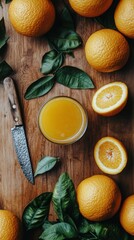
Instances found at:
x=62 y=120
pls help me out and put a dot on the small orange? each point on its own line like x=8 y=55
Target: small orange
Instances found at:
x=98 y=198
x=110 y=155
x=124 y=17
x=127 y=215
x=110 y=99
x=90 y=8
x=32 y=17
x=10 y=227
x=107 y=50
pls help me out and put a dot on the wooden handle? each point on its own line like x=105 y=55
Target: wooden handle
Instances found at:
x=13 y=100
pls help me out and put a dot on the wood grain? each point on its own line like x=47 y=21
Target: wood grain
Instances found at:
x=24 y=55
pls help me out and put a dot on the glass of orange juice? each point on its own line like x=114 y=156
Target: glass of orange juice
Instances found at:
x=63 y=120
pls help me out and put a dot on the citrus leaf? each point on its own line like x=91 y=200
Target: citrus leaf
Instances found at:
x=46 y=164
x=39 y=87
x=51 y=61
x=37 y=211
x=59 y=231
x=8 y=1
x=5 y=70
x=64 y=40
x=66 y=19
x=64 y=199
x=107 y=19
x=48 y=224
x=102 y=230
x=3 y=36
x=73 y=77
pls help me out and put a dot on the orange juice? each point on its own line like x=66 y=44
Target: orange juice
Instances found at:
x=63 y=120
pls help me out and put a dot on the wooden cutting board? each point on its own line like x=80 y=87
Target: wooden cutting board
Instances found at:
x=24 y=55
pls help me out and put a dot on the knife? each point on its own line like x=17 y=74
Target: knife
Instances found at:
x=18 y=132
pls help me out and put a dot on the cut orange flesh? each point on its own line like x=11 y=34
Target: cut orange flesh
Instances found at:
x=110 y=155
x=110 y=99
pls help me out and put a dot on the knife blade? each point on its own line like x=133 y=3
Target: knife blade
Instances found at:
x=18 y=132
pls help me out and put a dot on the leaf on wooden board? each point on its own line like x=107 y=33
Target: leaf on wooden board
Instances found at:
x=87 y=227
x=63 y=36
x=3 y=36
x=8 y=1
x=59 y=231
x=51 y=61
x=39 y=87
x=46 y=164
x=66 y=19
x=107 y=19
x=73 y=77
x=5 y=70
x=64 y=199
x=102 y=230
x=48 y=224
x=37 y=211
x=64 y=40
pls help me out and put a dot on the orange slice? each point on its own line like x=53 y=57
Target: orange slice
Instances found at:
x=110 y=99
x=110 y=155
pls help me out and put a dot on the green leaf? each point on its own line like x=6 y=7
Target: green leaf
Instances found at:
x=102 y=230
x=51 y=61
x=40 y=87
x=59 y=231
x=107 y=19
x=69 y=219
x=66 y=19
x=48 y=224
x=84 y=226
x=37 y=211
x=115 y=231
x=73 y=77
x=5 y=70
x=3 y=36
x=64 y=199
x=8 y=1
x=64 y=40
x=46 y=164
x=71 y=54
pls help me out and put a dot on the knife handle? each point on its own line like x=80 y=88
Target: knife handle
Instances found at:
x=13 y=100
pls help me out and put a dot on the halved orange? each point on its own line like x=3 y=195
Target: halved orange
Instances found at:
x=110 y=99
x=110 y=155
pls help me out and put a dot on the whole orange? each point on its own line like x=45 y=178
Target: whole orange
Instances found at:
x=107 y=50
x=127 y=214
x=90 y=8
x=98 y=198
x=10 y=227
x=124 y=17
x=32 y=17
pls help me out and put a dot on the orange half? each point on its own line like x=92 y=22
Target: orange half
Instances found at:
x=110 y=99
x=110 y=155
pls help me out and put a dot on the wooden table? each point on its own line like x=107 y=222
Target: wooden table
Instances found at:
x=24 y=55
